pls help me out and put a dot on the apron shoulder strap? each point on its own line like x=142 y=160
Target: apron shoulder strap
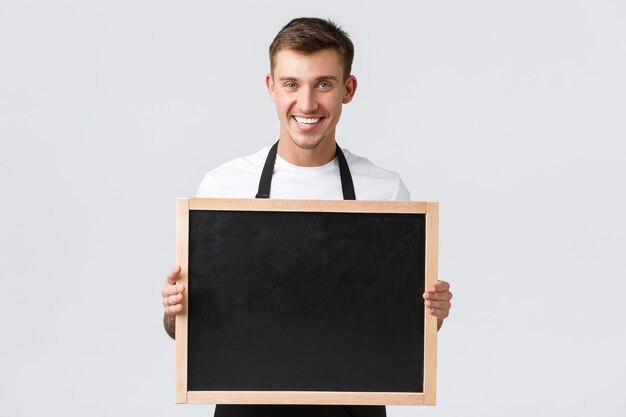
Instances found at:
x=265 y=183
x=346 y=177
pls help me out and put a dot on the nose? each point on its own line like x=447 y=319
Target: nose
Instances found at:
x=307 y=101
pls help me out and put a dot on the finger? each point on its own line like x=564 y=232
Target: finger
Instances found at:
x=441 y=305
x=439 y=313
x=438 y=296
x=173 y=275
x=439 y=286
x=172 y=300
x=172 y=290
x=173 y=310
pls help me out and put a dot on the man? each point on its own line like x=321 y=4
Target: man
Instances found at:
x=310 y=81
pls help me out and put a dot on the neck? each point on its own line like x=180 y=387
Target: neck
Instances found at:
x=318 y=156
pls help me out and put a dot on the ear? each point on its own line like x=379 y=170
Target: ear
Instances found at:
x=350 y=89
x=269 y=83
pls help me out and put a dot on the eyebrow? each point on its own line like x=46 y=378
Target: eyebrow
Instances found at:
x=318 y=79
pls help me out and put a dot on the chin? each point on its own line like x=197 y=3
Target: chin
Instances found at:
x=307 y=143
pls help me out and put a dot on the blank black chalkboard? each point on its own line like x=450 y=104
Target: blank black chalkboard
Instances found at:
x=305 y=301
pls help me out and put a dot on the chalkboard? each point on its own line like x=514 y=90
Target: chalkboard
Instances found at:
x=305 y=302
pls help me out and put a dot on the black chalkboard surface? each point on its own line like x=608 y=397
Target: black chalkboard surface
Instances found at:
x=304 y=302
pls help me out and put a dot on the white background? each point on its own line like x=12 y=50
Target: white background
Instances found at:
x=510 y=114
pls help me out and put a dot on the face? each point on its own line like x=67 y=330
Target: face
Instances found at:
x=309 y=91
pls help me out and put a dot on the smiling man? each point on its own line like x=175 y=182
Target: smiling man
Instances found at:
x=310 y=80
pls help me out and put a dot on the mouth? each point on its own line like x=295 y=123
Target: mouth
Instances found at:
x=307 y=121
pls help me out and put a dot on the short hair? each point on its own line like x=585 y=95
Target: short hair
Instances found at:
x=312 y=34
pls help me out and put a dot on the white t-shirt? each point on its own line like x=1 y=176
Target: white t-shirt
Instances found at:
x=239 y=178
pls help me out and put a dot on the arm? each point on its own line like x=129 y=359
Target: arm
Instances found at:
x=172 y=300
x=437 y=300
x=169 y=323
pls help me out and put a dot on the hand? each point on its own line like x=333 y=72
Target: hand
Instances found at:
x=437 y=300
x=173 y=293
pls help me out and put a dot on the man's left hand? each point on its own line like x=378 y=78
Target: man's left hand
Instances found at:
x=437 y=300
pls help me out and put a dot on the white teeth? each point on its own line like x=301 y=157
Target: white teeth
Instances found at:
x=307 y=120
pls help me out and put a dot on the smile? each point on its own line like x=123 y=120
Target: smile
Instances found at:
x=307 y=120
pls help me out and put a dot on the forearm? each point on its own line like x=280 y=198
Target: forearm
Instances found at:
x=169 y=323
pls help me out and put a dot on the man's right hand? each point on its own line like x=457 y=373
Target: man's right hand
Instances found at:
x=172 y=300
x=173 y=293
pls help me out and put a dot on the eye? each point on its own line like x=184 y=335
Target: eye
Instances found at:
x=324 y=85
x=290 y=84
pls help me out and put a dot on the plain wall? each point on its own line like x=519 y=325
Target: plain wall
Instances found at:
x=510 y=114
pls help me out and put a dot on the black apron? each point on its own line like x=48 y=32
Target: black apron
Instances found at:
x=347 y=187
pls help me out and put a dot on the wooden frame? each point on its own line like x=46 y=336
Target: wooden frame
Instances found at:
x=427 y=397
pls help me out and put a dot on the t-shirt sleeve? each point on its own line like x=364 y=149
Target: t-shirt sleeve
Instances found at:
x=402 y=193
x=207 y=188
